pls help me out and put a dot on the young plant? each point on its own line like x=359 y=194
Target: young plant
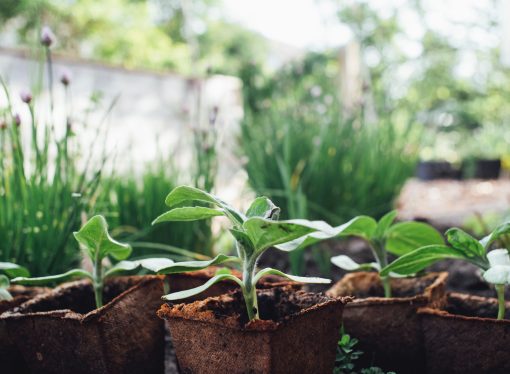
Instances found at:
x=10 y=270
x=254 y=231
x=98 y=245
x=383 y=237
x=494 y=264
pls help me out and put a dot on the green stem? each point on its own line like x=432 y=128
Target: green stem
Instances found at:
x=387 y=286
x=249 y=290
x=500 y=290
x=382 y=259
x=97 y=276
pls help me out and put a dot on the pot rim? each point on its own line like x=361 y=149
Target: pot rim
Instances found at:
x=69 y=314
x=439 y=313
x=440 y=279
x=175 y=312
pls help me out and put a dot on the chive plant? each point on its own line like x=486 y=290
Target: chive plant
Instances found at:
x=495 y=264
x=254 y=231
x=98 y=245
x=9 y=270
x=384 y=237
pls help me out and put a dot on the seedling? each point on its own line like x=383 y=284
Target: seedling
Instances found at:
x=386 y=237
x=10 y=270
x=495 y=264
x=98 y=245
x=254 y=231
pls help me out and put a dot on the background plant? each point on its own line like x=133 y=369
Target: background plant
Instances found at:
x=9 y=270
x=495 y=264
x=98 y=245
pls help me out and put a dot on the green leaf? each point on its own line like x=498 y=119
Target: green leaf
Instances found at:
x=188 y=214
x=465 y=243
x=361 y=226
x=75 y=273
x=184 y=194
x=195 y=291
x=384 y=224
x=263 y=207
x=421 y=258
x=94 y=237
x=294 y=278
x=14 y=270
x=500 y=231
x=244 y=241
x=152 y=264
x=346 y=263
x=405 y=237
x=185 y=266
x=4 y=293
x=4 y=281
x=265 y=233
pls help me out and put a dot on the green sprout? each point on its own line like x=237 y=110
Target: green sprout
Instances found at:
x=9 y=270
x=254 y=232
x=98 y=244
x=495 y=264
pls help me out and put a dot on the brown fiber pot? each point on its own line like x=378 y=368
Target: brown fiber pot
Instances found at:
x=297 y=333
x=388 y=329
x=464 y=337
x=10 y=359
x=62 y=332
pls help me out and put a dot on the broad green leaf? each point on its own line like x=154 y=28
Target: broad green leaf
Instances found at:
x=94 y=237
x=75 y=273
x=361 y=226
x=500 y=231
x=185 y=266
x=265 y=233
x=184 y=194
x=346 y=263
x=384 y=224
x=263 y=207
x=465 y=243
x=421 y=258
x=4 y=281
x=405 y=237
x=188 y=214
x=152 y=264
x=13 y=270
x=244 y=241
x=268 y=271
x=195 y=291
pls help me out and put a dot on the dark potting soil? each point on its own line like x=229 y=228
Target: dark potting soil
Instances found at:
x=275 y=305
x=80 y=297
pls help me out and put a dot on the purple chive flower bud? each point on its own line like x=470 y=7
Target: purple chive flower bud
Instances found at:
x=47 y=37
x=26 y=97
x=65 y=78
x=17 y=120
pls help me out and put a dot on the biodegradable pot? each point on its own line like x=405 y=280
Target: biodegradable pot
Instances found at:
x=464 y=336
x=388 y=329
x=10 y=359
x=297 y=333
x=62 y=332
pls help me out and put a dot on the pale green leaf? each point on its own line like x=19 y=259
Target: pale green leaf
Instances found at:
x=94 y=237
x=188 y=214
x=295 y=278
x=346 y=263
x=185 y=266
x=4 y=293
x=499 y=274
x=4 y=281
x=405 y=237
x=75 y=273
x=500 y=231
x=465 y=243
x=152 y=264
x=13 y=270
x=384 y=224
x=263 y=207
x=197 y=290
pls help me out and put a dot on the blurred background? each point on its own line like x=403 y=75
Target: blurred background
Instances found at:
x=332 y=108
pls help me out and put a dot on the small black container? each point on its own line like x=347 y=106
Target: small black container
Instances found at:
x=430 y=170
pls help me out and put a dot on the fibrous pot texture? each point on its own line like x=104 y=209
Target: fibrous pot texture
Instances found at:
x=464 y=336
x=63 y=332
x=297 y=333
x=389 y=329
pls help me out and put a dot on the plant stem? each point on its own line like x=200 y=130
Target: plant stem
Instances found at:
x=97 y=276
x=500 y=290
x=382 y=259
x=249 y=290
x=387 y=286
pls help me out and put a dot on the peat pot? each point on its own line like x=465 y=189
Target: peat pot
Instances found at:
x=62 y=332
x=388 y=329
x=464 y=336
x=297 y=333
x=10 y=359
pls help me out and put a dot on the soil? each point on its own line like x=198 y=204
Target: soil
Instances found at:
x=464 y=337
x=214 y=335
